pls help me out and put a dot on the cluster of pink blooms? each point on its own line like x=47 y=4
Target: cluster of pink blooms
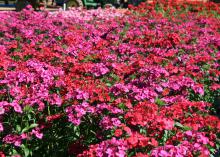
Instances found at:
x=112 y=147
x=109 y=83
x=193 y=143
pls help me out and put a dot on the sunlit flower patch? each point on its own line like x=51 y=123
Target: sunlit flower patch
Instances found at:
x=113 y=83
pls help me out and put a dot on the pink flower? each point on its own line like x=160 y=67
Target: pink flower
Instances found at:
x=80 y=111
x=81 y=95
x=109 y=123
x=169 y=124
x=41 y=106
x=116 y=121
x=202 y=139
x=189 y=133
x=17 y=143
x=1 y=127
x=99 y=69
x=15 y=156
x=57 y=100
x=109 y=152
x=29 y=6
x=17 y=107
x=110 y=148
x=74 y=120
x=2 y=110
x=206 y=152
x=12 y=139
x=163 y=153
x=198 y=89
x=24 y=136
x=197 y=145
x=37 y=133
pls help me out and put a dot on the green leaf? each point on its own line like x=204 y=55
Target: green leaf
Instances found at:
x=14 y=152
x=24 y=130
x=185 y=128
x=27 y=108
x=133 y=76
x=131 y=154
x=26 y=150
x=108 y=84
x=122 y=106
x=212 y=150
x=18 y=128
x=33 y=125
x=29 y=116
x=165 y=136
x=159 y=102
x=143 y=131
x=178 y=124
x=29 y=127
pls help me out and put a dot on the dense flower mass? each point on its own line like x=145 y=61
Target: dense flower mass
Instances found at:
x=106 y=82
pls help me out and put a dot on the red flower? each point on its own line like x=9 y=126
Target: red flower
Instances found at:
x=53 y=117
x=2 y=154
x=132 y=141
x=141 y=155
x=118 y=132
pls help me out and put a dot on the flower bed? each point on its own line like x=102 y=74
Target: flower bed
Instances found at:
x=108 y=83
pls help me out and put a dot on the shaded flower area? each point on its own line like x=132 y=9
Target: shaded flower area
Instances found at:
x=107 y=83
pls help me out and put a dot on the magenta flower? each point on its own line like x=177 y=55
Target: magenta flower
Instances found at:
x=16 y=107
x=12 y=139
x=2 y=110
x=99 y=69
x=37 y=133
x=1 y=127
